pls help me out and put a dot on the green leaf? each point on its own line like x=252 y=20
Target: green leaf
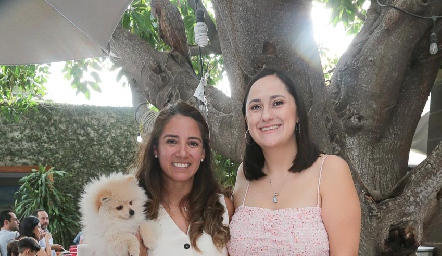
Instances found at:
x=95 y=86
x=96 y=76
x=125 y=21
x=87 y=93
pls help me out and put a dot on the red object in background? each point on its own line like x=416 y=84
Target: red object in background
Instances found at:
x=73 y=250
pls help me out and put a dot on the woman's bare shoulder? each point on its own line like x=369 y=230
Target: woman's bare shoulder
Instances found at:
x=334 y=163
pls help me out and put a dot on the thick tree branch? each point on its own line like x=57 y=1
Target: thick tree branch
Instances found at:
x=161 y=79
x=248 y=44
x=378 y=106
x=378 y=87
x=411 y=210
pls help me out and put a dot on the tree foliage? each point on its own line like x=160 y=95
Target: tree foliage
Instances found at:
x=21 y=87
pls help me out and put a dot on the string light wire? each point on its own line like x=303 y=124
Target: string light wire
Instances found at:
x=433 y=36
x=202 y=40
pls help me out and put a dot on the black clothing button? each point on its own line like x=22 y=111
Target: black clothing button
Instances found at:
x=186 y=246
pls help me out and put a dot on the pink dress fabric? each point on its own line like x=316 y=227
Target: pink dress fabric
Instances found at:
x=291 y=231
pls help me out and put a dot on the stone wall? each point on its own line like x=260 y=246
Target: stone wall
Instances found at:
x=84 y=141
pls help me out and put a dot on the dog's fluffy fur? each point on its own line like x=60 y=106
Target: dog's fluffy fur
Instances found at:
x=112 y=208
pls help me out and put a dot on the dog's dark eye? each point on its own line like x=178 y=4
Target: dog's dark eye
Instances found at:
x=120 y=208
x=130 y=202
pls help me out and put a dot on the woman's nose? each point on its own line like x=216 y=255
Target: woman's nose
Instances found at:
x=182 y=151
x=266 y=114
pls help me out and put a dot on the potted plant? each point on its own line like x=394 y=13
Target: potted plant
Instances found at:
x=41 y=190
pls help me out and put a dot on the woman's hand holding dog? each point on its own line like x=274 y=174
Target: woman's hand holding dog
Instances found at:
x=143 y=249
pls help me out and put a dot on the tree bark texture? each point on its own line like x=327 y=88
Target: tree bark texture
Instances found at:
x=367 y=115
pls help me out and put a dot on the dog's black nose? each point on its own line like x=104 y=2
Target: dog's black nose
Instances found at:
x=131 y=212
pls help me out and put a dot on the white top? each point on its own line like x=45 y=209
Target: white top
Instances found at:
x=172 y=241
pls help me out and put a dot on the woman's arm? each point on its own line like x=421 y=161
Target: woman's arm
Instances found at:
x=341 y=210
x=47 y=250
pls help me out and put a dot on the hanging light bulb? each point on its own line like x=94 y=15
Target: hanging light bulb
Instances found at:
x=139 y=138
x=433 y=43
x=200 y=29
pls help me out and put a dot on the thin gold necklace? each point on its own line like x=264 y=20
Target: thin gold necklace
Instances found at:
x=182 y=210
x=177 y=205
x=275 y=194
x=168 y=202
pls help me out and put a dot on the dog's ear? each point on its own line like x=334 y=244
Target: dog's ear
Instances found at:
x=101 y=198
x=104 y=199
x=131 y=179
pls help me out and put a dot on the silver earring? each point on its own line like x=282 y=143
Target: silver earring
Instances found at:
x=202 y=160
x=156 y=156
x=245 y=137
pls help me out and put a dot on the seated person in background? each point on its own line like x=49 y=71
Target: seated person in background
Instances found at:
x=9 y=227
x=30 y=227
x=28 y=246
x=79 y=238
x=43 y=217
x=12 y=248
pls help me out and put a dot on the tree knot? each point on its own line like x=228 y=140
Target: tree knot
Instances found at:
x=401 y=239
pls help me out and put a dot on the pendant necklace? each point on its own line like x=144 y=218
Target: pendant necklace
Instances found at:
x=275 y=194
x=184 y=207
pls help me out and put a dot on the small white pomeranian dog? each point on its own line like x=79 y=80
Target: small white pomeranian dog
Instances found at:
x=112 y=209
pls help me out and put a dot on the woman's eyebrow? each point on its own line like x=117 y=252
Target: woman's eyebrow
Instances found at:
x=170 y=135
x=254 y=100
x=176 y=136
x=195 y=138
x=276 y=96
x=271 y=97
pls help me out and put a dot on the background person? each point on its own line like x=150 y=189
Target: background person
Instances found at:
x=289 y=198
x=186 y=203
x=9 y=229
x=12 y=248
x=28 y=246
x=43 y=217
x=31 y=227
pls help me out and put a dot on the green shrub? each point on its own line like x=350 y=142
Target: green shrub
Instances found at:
x=41 y=190
x=225 y=170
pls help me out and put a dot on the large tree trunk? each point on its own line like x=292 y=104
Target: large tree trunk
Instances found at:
x=367 y=115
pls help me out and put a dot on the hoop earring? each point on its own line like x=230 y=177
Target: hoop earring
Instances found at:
x=245 y=138
x=297 y=129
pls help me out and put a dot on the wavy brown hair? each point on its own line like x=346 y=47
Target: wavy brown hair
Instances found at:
x=205 y=212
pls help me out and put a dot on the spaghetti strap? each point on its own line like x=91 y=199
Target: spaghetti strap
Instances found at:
x=320 y=175
x=245 y=195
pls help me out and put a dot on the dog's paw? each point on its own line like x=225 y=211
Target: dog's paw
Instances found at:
x=134 y=247
x=150 y=231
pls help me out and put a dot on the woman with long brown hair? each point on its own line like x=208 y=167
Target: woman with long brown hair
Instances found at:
x=186 y=211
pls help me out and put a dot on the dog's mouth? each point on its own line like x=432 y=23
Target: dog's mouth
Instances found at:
x=126 y=216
